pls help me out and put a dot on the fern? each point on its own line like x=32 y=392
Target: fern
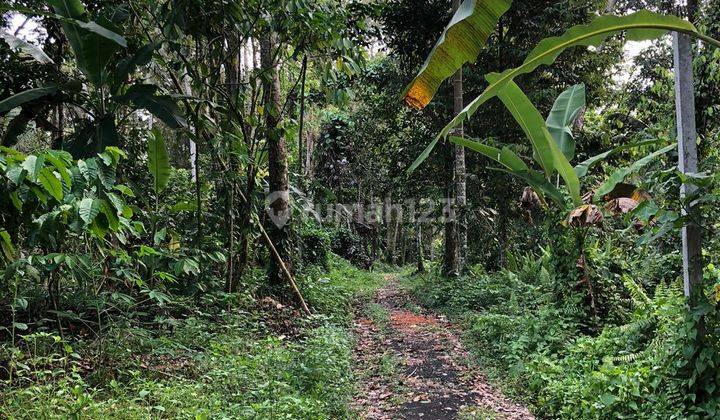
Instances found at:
x=628 y=358
x=639 y=325
x=638 y=295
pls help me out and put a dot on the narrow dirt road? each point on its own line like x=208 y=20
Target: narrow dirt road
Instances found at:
x=411 y=364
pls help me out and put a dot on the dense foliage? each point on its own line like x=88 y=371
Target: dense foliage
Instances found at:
x=194 y=196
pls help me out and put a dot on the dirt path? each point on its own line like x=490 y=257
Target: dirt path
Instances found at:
x=410 y=364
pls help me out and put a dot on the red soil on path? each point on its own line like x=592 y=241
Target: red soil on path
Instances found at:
x=412 y=365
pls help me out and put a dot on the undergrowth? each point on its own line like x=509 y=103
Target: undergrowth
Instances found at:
x=255 y=360
x=544 y=347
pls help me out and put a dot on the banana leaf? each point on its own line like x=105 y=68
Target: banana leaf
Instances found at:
x=619 y=175
x=460 y=43
x=564 y=113
x=641 y=25
x=513 y=165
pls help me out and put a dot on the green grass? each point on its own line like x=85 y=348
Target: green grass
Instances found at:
x=335 y=292
x=378 y=314
x=479 y=413
x=234 y=364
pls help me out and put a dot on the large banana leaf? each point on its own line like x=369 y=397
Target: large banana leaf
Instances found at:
x=547 y=152
x=563 y=115
x=25 y=47
x=513 y=165
x=460 y=43
x=529 y=119
x=640 y=25
x=26 y=96
x=69 y=4
x=619 y=175
x=93 y=44
x=158 y=161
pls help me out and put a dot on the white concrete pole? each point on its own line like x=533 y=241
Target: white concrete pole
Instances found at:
x=687 y=156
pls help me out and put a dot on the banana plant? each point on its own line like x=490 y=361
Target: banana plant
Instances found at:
x=158 y=163
x=460 y=43
x=26 y=48
x=547 y=151
x=95 y=44
x=641 y=25
x=562 y=117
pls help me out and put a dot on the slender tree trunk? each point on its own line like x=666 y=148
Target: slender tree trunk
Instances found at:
x=232 y=72
x=302 y=114
x=192 y=146
x=396 y=229
x=419 y=239
x=390 y=246
x=450 y=251
x=375 y=244
x=246 y=212
x=309 y=150
x=247 y=65
x=60 y=139
x=460 y=177
x=455 y=175
x=403 y=255
x=196 y=177
x=277 y=156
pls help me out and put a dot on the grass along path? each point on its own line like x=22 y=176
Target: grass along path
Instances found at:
x=410 y=363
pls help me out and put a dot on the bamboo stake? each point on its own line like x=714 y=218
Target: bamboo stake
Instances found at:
x=281 y=263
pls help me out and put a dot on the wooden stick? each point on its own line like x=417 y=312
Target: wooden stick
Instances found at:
x=281 y=263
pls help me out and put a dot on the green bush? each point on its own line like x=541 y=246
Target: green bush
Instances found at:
x=314 y=246
x=643 y=360
x=350 y=246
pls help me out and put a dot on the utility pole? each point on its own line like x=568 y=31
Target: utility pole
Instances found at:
x=687 y=154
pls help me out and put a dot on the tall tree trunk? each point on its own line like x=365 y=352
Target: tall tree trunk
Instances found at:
x=390 y=246
x=277 y=156
x=403 y=235
x=460 y=170
x=232 y=72
x=396 y=229
x=460 y=178
x=309 y=150
x=247 y=65
x=450 y=251
x=455 y=175
x=302 y=114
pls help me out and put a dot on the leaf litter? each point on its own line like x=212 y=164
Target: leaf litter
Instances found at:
x=413 y=365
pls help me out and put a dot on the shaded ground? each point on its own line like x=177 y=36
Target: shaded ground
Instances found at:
x=411 y=364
